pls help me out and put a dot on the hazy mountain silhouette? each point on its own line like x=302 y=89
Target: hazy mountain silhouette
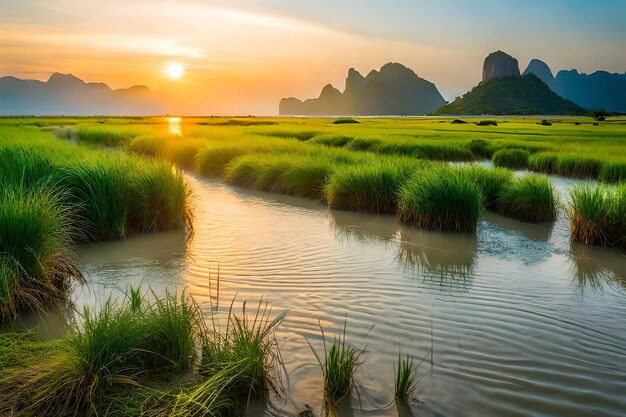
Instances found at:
x=65 y=94
x=394 y=90
x=599 y=90
x=504 y=91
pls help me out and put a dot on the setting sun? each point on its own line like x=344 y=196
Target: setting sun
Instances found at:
x=174 y=71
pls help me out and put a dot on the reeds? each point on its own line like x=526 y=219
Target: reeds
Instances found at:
x=530 y=199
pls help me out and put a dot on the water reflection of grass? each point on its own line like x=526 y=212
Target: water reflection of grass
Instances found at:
x=596 y=268
x=438 y=256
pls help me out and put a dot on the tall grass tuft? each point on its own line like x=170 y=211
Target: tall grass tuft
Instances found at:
x=247 y=342
x=340 y=363
x=115 y=349
x=37 y=256
x=405 y=378
x=597 y=215
x=544 y=162
x=511 y=158
x=446 y=200
x=613 y=172
x=530 y=199
x=332 y=140
x=159 y=198
x=576 y=165
x=490 y=182
x=371 y=188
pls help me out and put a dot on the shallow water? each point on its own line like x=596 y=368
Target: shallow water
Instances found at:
x=514 y=320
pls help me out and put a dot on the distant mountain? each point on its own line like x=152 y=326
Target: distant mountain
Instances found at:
x=500 y=64
x=541 y=70
x=504 y=91
x=394 y=90
x=65 y=94
x=599 y=90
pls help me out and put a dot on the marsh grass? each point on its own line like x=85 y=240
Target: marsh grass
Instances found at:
x=490 y=182
x=597 y=215
x=511 y=158
x=108 y=135
x=544 y=162
x=443 y=200
x=339 y=365
x=579 y=166
x=116 y=349
x=247 y=343
x=530 y=199
x=371 y=188
x=345 y=120
x=37 y=254
x=337 y=141
x=613 y=172
x=405 y=375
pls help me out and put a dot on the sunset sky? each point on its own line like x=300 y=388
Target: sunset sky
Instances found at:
x=241 y=57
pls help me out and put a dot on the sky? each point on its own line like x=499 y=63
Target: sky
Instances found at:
x=241 y=57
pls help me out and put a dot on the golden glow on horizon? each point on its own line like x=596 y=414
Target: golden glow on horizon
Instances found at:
x=174 y=71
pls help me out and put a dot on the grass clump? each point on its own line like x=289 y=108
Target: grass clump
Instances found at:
x=248 y=343
x=362 y=144
x=543 y=162
x=597 y=215
x=345 y=120
x=511 y=158
x=405 y=378
x=613 y=172
x=149 y=145
x=580 y=166
x=340 y=363
x=37 y=255
x=337 y=141
x=487 y=123
x=370 y=188
x=490 y=182
x=444 y=200
x=530 y=199
x=116 y=349
x=481 y=148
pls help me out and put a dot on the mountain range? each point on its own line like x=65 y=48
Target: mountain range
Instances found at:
x=393 y=90
x=599 y=90
x=503 y=90
x=65 y=94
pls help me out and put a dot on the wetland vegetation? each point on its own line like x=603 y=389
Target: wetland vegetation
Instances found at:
x=149 y=354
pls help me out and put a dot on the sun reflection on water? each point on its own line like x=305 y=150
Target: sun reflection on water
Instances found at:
x=174 y=126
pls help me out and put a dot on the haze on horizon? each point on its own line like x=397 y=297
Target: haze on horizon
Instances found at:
x=242 y=56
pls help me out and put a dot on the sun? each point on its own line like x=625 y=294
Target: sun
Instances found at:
x=174 y=71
